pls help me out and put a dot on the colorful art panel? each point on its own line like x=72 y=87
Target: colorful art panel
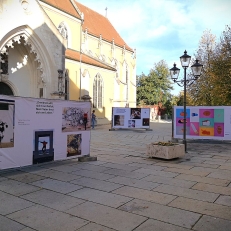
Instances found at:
x=180 y=122
x=194 y=115
x=219 y=116
x=206 y=131
x=219 y=129
x=180 y=130
x=180 y=113
x=206 y=122
x=194 y=128
x=206 y=113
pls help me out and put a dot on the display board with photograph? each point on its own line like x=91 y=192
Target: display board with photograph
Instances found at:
x=130 y=117
x=34 y=130
x=203 y=122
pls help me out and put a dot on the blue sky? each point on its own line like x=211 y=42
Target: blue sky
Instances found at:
x=163 y=29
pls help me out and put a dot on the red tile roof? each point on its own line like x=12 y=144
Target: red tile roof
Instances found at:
x=75 y=55
x=95 y=23
x=63 y=5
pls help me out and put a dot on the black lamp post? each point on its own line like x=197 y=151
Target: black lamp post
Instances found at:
x=174 y=72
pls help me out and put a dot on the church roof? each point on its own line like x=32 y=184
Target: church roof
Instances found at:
x=75 y=55
x=95 y=23
x=63 y=5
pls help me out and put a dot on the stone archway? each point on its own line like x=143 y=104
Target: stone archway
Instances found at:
x=5 y=89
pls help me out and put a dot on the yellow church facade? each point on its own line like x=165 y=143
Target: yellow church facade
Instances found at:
x=63 y=49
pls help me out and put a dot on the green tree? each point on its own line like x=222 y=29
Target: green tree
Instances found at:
x=221 y=70
x=156 y=86
x=201 y=90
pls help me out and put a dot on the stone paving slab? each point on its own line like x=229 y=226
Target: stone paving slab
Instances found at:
x=193 y=164
x=56 y=185
x=134 y=182
x=224 y=200
x=27 y=229
x=91 y=167
x=94 y=227
x=156 y=173
x=17 y=188
x=148 y=166
x=202 y=207
x=23 y=177
x=154 y=225
x=222 y=174
x=225 y=167
x=169 y=181
x=172 y=165
x=213 y=188
x=207 y=180
x=163 y=213
x=106 y=216
x=42 y=218
x=207 y=223
x=56 y=175
x=93 y=175
x=96 y=184
x=121 y=166
x=186 y=171
x=101 y=197
x=147 y=195
x=9 y=225
x=129 y=174
x=185 y=192
x=10 y=204
x=62 y=168
x=53 y=200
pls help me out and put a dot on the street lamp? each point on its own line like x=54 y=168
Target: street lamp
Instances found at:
x=174 y=72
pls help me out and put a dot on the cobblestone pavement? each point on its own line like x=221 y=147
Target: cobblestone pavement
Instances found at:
x=123 y=190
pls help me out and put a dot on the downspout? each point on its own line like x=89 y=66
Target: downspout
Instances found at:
x=80 y=50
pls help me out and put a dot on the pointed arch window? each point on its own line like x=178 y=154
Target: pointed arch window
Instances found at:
x=98 y=92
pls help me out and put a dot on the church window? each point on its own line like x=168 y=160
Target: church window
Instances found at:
x=98 y=92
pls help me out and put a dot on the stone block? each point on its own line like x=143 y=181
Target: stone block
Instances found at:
x=165 y=152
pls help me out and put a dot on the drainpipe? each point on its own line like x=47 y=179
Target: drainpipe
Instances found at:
x=80 y=50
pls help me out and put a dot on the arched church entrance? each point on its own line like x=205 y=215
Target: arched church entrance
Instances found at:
x=5 y=89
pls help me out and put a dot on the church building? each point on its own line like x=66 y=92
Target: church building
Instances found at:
x=61 y=49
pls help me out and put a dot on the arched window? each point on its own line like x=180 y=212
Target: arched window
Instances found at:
x=5 y=89
x=98 y=92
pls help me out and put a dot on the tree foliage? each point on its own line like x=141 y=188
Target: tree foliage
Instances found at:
x=156 y=86
x=214 y=85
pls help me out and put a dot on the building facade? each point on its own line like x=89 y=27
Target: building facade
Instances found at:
x=62 y=49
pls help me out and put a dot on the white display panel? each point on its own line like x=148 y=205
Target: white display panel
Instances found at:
x=130 y=117
x=39 y=130
x=203 y=122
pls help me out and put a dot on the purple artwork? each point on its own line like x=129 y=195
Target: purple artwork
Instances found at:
x=194 y=128
x=206 y=113
x=219 y=129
